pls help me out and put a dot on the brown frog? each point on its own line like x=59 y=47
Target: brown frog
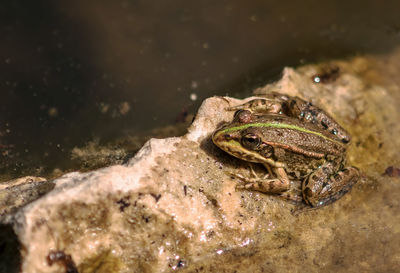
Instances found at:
x=301 y=146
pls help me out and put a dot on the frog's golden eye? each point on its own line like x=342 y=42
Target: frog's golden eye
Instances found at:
x=251 y=141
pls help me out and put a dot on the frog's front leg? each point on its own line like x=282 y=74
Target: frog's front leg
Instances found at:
x=276 y=185
x=328 y=184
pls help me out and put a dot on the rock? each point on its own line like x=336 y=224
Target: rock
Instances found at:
x=175 y=207
x=19 y=192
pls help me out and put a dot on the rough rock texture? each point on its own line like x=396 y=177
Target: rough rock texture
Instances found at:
x=18 y=192
x=174 y=207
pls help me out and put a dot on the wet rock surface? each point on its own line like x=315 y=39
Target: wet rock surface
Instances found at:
x=174 y=206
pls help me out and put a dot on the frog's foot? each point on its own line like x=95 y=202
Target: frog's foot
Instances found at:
x=293 y=195
x=254 y=178
x=301 y=208
x=329 y=188
x=261 y=184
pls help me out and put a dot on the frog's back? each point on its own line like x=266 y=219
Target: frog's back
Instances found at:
x=296 y=136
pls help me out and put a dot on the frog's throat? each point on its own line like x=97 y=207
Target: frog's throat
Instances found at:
x=275 y=125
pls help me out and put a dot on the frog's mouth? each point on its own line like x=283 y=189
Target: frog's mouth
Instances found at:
x=231 y=144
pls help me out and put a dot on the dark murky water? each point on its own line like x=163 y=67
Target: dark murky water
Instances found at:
x=73 y=71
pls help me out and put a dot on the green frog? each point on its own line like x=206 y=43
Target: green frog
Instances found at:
x=300 y=145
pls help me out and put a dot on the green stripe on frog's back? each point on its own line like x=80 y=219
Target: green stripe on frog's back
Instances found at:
x=279 y=126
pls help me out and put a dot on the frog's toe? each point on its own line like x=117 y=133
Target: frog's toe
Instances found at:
x=301 y=209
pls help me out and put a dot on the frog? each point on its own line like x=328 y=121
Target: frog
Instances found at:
x=302 y=148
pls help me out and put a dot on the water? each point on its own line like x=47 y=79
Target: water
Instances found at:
x=74 y=71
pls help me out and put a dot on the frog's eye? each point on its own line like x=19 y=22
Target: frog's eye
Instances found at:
x=251 y=141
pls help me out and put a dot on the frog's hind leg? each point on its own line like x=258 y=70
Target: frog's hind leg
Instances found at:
x=327 y=187
x=263 y=105
x=307 y=112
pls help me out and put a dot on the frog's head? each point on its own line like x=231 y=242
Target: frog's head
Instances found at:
x=242 y=140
